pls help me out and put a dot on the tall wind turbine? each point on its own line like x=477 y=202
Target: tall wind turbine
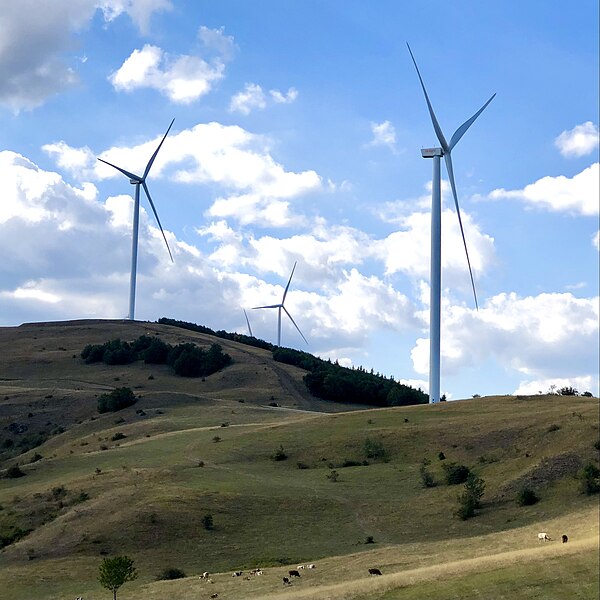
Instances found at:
x=138 y=181
x=281 y=307
x=436 y=232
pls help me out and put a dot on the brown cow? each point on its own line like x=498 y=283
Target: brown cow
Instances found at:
x=293 y=573
x=565 y=539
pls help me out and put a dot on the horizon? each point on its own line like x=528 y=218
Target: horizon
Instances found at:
x=297 y=137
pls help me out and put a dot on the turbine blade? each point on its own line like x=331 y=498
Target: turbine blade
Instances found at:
x=436 y=125
x=463 y=128
x=288 y=284
x=248 y=322
x=448 y=159
x=294 y=322
x=157 y=219
x=270 y=306
x=126 y=173
x=151 y=161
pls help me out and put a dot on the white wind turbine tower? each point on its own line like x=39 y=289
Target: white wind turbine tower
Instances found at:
x=248 y=323
x=138 y=181
x=436 y=233
x=281 y=307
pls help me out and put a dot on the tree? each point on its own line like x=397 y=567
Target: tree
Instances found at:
x=470 y=499
x=114 y=572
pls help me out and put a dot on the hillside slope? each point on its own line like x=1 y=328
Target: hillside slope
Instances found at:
x=140 y=481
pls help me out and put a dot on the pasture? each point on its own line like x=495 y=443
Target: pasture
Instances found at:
x=139 y=482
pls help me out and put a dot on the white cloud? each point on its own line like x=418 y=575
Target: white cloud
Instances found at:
x=578 y=194
x=215 y=39
x=36 y=38
x=250 y=98
x=596 y=240
x=183 y=79
x=73 y=160
x=281 y=98
x=552 y=335
x=551 y=384
x=384 y=134
x=253 y=97
x=579 y=141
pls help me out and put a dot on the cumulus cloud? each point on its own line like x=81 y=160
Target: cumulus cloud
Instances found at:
x=577 y=194
x=37 y=39
x=250 y=98
x=253 y=97
x=579 y=141
x=183 y=79
x=553 y=384
x=384 y=134
x=551 y=335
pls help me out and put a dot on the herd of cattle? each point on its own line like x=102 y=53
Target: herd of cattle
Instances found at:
x=542 y=537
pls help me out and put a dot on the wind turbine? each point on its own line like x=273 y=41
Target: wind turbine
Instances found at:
x=281 y=307
x=436 y=232
x=138 y=181
x=248 y=323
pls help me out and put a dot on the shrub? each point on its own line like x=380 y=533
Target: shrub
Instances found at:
x=14 y=472
x=553 y=427
x=216 y=439
x=589 y=479
x=587 y=394
x=118 y=436
x=352 y=463
x=568 y=391
x=333 y=476
x=279 y=454
x=466 y=507
x=375 y=449
x=441 y=456
x=118 y=399
x=526 y=497
x=35 y=457
x=455 y=474
x=171 y=573
x=207 y=522
x=597 y=444
x=427 y=480
x=370 y=540
x=156 y=353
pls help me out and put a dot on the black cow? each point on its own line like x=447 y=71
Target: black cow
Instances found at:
x=294 y=573
x=565 y=539
x=374 y=572
x=286 y=581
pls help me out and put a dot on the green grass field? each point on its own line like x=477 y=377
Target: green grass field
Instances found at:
x=206 y=447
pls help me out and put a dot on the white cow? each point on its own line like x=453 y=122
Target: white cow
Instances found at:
x=312 y=566
x=542 y=537
x=205 y=575
x=300 y=567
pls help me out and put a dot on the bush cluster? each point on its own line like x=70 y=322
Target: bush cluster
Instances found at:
x=470 y=498
x=455 y=474
x=526 y=497
x=187 y=360
x=116 y=400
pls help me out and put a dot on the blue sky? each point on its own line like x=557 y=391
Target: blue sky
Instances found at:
x=297 y=137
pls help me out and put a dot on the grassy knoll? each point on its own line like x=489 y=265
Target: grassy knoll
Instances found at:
x=139 y=482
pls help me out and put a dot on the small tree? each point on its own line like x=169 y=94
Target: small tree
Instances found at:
x=470 y=499
x=589 y=479
x=114 y=572
x=455 y=474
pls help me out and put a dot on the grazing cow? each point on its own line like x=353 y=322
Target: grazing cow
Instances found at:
x=214 y=595
x=293 y=573
x=312 y=566
x=236 y=574
x=565 y=539
x=205 y=575
x=258 y=572
x=300 y=567
x=374 y=572
x=286 y=581
x=542 y=537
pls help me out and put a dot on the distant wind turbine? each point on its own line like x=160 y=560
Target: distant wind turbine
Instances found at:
x=138 y=181
x=436 y=232
x=281 y=307
x=248 y=323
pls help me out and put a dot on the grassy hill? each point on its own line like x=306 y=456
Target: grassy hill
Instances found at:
x=140 y=481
